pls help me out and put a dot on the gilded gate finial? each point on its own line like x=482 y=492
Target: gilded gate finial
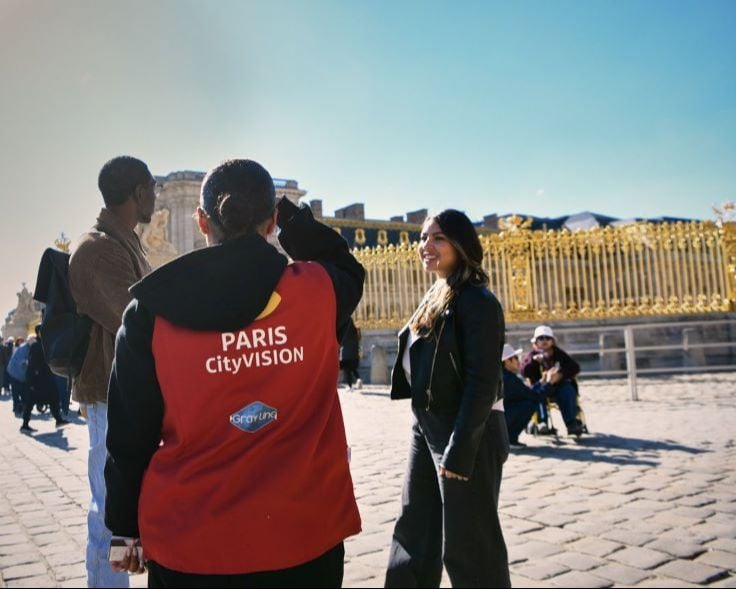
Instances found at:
x=62 y=243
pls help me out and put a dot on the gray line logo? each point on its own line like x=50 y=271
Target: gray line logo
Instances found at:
x=253 y=417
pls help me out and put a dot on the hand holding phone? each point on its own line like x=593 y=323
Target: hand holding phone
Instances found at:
x=126 y=554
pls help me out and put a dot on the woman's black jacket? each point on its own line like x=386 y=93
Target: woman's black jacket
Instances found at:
x=456 y=371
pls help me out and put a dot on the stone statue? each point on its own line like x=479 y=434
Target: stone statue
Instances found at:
x=25 y=301
x=20 y=320
x=154 y=238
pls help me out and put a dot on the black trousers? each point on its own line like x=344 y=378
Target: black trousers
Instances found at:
x=18 y=389
x=29 y=400
x=350 y=370
x=323 y=571
x=518 y=415
x=463 y=513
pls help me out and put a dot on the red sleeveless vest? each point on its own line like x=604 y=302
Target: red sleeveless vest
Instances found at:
x=252 y=473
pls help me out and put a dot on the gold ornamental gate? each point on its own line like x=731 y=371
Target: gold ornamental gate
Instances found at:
x=644 y=269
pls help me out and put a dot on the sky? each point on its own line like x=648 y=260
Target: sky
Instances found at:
x=625 y=108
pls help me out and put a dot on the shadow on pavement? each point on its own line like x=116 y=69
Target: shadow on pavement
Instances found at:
x=608 y=448
x=612 y=441
x=55 y=439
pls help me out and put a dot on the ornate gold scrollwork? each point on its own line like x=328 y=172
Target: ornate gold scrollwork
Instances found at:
x=728 y=237
x=637 y=270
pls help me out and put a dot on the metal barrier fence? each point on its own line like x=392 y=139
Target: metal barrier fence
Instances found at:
x=694 y=350
x=643 y=269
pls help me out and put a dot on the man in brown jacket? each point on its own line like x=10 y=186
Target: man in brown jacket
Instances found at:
x=104 y=263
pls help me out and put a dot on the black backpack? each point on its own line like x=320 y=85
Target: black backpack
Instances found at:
x=64 y=333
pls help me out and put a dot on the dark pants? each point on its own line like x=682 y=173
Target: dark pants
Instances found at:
x=324 y=571
x=463 y=513
x=350 y=370
x=566 y=396
x=18 y=389
x=30 y=400
x=65 y=391
x=518 y=415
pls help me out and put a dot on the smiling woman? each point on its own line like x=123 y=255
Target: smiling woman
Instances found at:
x=449 y=364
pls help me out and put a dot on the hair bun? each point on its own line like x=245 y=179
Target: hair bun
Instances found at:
x=239 y=195
x=236 y=214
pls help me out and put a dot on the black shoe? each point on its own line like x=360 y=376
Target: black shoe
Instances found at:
x=62 y=422
x=575 y=429
x=517 y=444
x=27 y=429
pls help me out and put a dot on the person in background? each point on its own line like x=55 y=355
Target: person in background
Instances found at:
x=350 y=355
x=6 y=351
x=449 y=365
x=104 y=263
x=40 y=386
x=545 y=355
x=17 y=367
x=519 y=400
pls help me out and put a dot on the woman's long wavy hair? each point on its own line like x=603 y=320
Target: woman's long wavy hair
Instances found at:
x=461 y=234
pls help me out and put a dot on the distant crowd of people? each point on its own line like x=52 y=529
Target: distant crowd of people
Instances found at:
x=218 y=453
x=26 y=376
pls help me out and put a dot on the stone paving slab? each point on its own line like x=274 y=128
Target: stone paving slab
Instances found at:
x=641 y=558
x=693 y=572
x=581 y=579
x=647 y=500
x=677 y=547
x=718 y=559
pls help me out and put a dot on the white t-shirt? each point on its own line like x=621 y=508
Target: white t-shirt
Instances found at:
x=406 y=359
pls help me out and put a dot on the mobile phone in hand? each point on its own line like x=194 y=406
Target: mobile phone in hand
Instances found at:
x=119 y=546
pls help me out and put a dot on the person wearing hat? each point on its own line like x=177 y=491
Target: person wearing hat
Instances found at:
x=545 y=355
x=520 y=401
x=449 y=365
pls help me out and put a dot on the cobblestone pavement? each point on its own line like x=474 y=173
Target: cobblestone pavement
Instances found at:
x=648 y=499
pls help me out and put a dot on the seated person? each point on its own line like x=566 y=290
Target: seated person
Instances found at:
x=544 y=355
x=520 y=401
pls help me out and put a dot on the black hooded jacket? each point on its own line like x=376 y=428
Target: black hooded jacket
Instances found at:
x=218 y=288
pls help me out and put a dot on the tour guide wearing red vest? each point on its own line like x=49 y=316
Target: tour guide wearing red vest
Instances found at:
x=227 y=448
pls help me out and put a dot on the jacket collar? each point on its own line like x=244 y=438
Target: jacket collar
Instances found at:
x=110 y=223
x=218 y=288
